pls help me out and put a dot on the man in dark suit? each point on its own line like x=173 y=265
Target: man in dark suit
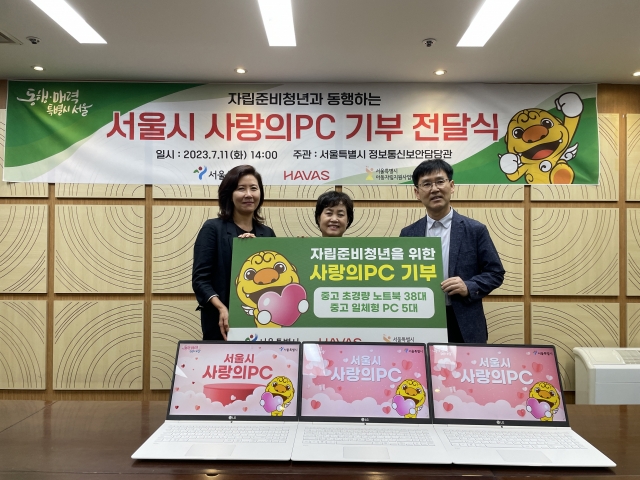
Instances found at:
x=472 y=267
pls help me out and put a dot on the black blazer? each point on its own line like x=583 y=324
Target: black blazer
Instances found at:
x=212 y=269
x=473 y=258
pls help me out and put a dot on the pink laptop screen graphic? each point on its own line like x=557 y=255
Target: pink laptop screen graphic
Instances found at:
x=495 y=383
x=236 y=379
x=383 y=381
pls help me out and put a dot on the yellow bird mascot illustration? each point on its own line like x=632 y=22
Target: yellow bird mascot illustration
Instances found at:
x=538 y=143
x=543 y=401
x=269 y=288
x=277 y=396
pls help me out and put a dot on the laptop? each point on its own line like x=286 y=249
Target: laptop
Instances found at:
x=365 y=402
x=230 y=400
x=504 y=405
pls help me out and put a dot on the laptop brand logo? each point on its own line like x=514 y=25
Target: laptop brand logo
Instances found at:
x=232 y=417
x=364 y=419
x=500 y=422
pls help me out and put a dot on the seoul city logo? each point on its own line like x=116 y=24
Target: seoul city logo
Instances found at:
x=251 y=338
x=200 y=171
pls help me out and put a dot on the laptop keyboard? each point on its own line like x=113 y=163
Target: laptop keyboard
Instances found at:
x=510 y=439
x=365 y=436
x=224 y=434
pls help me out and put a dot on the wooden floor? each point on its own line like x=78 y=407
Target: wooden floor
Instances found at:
x=95 y=440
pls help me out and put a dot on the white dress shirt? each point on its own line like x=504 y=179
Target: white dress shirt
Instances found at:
x=442 y=228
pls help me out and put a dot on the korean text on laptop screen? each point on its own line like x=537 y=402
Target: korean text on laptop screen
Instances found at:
x=243 y=379
x=378 y=382
x=519 y=384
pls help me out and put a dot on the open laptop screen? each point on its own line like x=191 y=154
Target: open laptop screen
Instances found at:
x=244 y=380
x=504 y=384
x=364 y=382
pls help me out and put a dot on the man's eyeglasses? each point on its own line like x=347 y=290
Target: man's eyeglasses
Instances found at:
x=438 y=183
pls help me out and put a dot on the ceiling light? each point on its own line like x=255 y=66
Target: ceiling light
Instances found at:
x=636 y=74
x=486 y=22
x=38 y=68
x=278 y=22
x=440 y=72
x=68 y=18
x=240 y=70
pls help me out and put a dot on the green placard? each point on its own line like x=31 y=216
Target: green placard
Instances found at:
x=373 y=289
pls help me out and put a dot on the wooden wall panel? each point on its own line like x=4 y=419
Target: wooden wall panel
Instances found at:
x=98 y=190
x=607 y=190
x=16 y=190
x=568 y=325
x=23 y=248
x=633 y=325
x=505 y=322
x=99 y=249
x=633 y=157
x=505 y=193
x=23 y=347
x=210 y=192
x=307 y=192
x=170 y=321
x=174 y=233
x=506 y=227
x=633 y=251
x=97 y=345
x=186 y=192
x=368 y=222
x=574 y=251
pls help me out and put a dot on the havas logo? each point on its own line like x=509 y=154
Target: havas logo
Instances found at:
x=307 y=175
x=200 y=171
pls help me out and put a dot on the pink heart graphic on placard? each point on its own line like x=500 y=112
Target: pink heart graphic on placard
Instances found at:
x=386 y=409
x=524 y=366
x=387 y=392
x=537 y=367
x=244 y=409
x=177 y=389
x=520 y=395
x=403 y=405
x=521 y=412
x=176 y=407
x=458 y=365
x=470 y=390
x=315 y=404
x=269 y=402
x=329 y=363
x=445 y=373
x=283 y=308
x=447 y=406
x=197 y=407
x=193 y=383
x=537 y=409
x=274 y=356
x=406 y=364
x=339 y=388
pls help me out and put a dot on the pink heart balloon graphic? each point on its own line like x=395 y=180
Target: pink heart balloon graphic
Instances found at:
x=403 y=405
x=269 y=402
x=283 y=308
x=537 y=409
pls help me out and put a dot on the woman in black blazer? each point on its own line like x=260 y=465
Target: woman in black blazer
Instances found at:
x=240 y=197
